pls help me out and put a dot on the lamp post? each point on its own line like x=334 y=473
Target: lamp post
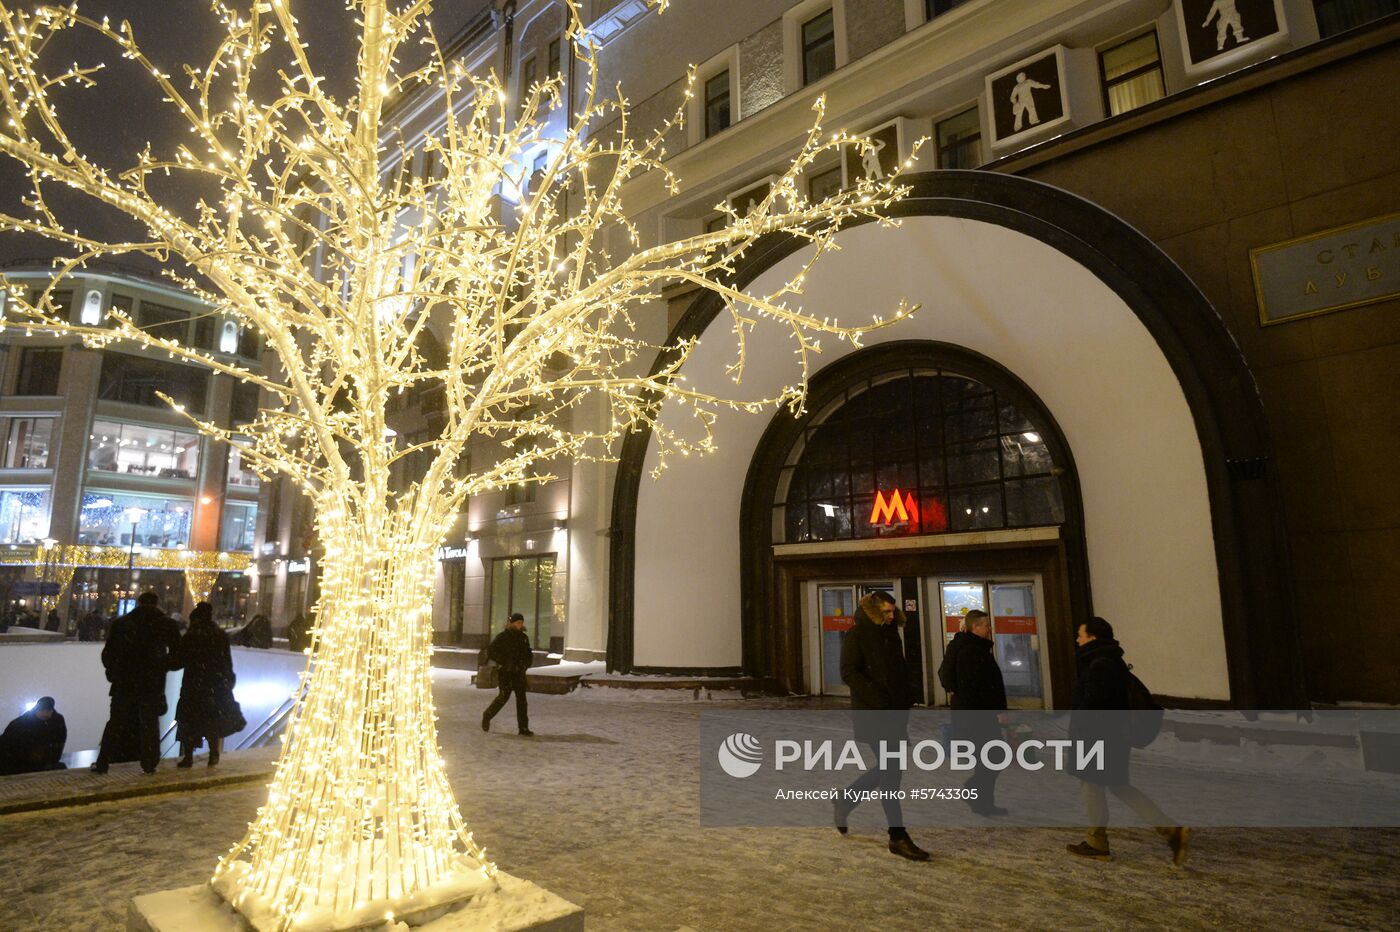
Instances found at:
x=133 y=515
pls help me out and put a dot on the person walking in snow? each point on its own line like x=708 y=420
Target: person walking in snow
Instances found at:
x=1100 y=704
x=511 y=652
x=873 y=666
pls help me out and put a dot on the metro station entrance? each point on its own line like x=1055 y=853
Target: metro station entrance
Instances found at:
x=935 y=607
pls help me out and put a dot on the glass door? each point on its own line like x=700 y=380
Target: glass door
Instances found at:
x=1012 y=605
x=835 y=614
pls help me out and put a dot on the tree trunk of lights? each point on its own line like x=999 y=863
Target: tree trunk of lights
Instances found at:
x=360 y=819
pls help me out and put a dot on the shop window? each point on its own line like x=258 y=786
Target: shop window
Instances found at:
x=38 y=370
x=960 y=140
x=136 y=380
x=917 y=452
x=24 y=515
x=818 y=47
x=1334 y=16
x=111 y=519
x=1132 y=74
x=27 y=443
x=139 y=450
x=238 y=526
x=717 y=112
x=524 y=585
x=824 y=184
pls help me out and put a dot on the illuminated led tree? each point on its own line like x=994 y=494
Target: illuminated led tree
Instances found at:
x=313 y=232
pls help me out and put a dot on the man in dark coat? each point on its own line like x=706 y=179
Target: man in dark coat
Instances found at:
x=207 y=709
x=1100 y=714
x=511 y=652
x=140 y=649
x=34 y=741
x=873 y=666
x=972 y=677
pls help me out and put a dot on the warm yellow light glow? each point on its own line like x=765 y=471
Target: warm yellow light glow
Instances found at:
x=367 y=280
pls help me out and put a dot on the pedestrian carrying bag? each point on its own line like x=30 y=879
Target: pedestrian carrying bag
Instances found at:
x=1145 y=715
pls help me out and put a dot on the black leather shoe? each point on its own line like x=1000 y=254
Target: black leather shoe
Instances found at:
x=904 y=847
x=148 y=770
x=527 y=732
x=485 y=724
x=98 y=768
x=186 y=762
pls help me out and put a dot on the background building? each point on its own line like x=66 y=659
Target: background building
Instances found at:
x=93 y=457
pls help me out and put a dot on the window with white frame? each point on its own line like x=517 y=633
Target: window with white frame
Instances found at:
x=717 y=103
x=818 y=37
x=814 y=42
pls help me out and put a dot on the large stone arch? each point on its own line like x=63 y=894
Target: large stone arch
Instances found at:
x=1080 y=305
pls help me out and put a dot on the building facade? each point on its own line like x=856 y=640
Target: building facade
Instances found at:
x=99 y=472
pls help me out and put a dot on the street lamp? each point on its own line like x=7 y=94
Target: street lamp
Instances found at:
x=133 y=515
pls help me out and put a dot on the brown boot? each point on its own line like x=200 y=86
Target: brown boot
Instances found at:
x=1086 y=850
x=1177 y=840
x=904 y=846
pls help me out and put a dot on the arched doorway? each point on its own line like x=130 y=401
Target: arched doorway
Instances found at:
x=1182 y=403
x=930 y=471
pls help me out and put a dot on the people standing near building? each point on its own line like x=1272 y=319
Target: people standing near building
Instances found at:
x=510 y=651
x=972 y=677
x=873 y=666
x=299 y=634
x=1100 y=714
x=207 y=709
x=34 y=741
x=90 y=626
x=142 y=647
x=256 y=633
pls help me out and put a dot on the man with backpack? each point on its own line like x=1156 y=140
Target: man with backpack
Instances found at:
x=1103 y=697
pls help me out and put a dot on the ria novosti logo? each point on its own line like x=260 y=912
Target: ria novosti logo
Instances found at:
x=740 y=755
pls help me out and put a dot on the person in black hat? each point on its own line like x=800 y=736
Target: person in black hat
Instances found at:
x=511 y=652
x=34 y=740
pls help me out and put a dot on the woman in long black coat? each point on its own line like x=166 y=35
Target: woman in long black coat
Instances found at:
x=207 y=709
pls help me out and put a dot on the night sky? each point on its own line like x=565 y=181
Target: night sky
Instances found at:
x=113 y=121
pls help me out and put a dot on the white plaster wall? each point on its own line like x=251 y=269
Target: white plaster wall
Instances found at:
x=1050 y=321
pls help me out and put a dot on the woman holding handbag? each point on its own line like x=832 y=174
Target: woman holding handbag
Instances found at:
x=207 y=709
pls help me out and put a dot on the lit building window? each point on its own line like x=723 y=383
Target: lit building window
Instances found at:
x=237 y=526
x=24 y=515
x=238 y=474
x=27 y=444
x=818 y=47
x=717 y=112
x=138 y=450
x=524 y=585
x=1132 y=74
x=106 y=520
x=960 y=140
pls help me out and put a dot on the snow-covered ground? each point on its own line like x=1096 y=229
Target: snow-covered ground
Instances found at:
x=601 y=808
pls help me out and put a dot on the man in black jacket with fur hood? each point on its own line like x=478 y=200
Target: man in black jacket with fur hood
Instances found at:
x=872 y=665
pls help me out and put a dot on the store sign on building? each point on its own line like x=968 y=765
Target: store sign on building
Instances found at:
x=452 y=553
x=890 y=141
x=1042 y=96
x=1328 y=271
x=298 y=566
x=894 y=511
x=1220 y=34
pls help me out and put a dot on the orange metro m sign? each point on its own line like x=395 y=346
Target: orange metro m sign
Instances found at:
x=895 y=510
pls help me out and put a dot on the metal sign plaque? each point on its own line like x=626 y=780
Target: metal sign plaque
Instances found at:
x=1328 y=271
